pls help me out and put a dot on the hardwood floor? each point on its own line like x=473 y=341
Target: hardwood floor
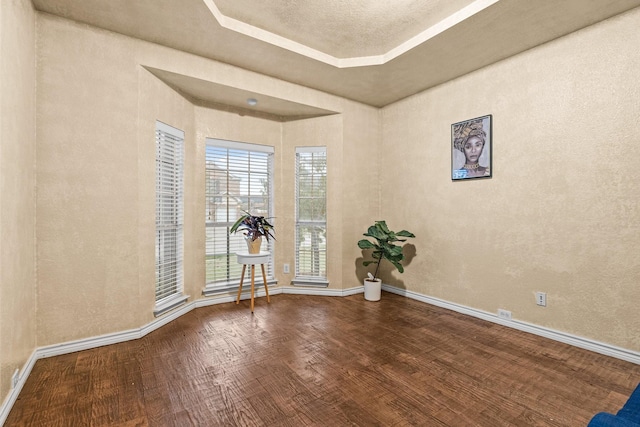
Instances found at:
x=326 y=361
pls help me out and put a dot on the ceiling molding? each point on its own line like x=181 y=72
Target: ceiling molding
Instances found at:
x=452 y=20
x=361 y=61
x=452 y=38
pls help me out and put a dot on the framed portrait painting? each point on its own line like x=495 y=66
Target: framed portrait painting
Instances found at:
x=471 y=149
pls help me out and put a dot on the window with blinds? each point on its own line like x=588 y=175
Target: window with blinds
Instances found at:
x=239 y=177
x=169 y=216
x=311 y=216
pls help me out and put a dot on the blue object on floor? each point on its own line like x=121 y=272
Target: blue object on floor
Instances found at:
x=628 y=416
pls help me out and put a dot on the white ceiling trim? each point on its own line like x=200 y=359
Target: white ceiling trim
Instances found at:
x=449 y=22
x=269 y=37
x=362 y=61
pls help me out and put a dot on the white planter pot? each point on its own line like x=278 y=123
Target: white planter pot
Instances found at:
x=372 y=289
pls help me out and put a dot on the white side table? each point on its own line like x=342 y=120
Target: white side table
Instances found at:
x=245 y=258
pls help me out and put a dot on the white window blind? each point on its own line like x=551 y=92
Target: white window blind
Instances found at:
x=311 y=216
x=169 y=215
x=239 y=177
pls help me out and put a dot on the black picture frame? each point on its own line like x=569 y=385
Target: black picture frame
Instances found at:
x=471 y=149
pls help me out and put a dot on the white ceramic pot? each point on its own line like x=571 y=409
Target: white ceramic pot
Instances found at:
x=372 y=289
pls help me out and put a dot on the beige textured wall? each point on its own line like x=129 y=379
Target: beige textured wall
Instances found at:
x=159 y=102
x=352 y=186
x=87 y=203
x=324 y=131
x=365 y=167
x=17 y=188
x=561 y=213
x=96 y=113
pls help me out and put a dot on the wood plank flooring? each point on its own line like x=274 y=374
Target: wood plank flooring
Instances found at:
x=326 y=361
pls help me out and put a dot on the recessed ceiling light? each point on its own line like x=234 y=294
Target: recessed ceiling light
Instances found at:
x=252 y=101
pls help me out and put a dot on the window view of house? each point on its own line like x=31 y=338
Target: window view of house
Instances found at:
x=311 y=214
x=238 y=179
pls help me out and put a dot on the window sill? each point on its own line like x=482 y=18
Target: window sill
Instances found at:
x=311 y=282
x=230 y=287
x=169 y=303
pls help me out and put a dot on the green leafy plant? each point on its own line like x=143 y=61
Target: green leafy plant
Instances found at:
x=384 y=246
x=253 y=226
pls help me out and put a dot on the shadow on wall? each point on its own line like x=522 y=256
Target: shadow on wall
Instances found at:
x=388 y=273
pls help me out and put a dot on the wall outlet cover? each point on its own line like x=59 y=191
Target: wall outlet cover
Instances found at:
x=541 y=299
x=504 y=314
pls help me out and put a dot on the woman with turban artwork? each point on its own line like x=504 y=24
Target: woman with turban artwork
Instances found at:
x=471 y=148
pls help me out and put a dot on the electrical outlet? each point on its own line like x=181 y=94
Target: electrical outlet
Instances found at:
x=504 y=314
x=541 y=299
x=15 y=378
x=285 y=269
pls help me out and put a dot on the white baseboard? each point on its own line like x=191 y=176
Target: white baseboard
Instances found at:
x=226 y=297
x=15 y=392
x=574 y=340
x=132 y=334
x=299 y=290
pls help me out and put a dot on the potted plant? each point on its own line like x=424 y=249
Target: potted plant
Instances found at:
x=384 y=247
x=254 y=228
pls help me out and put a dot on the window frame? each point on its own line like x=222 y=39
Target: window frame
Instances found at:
x=169 y=241
x=320 y=280
x=231 y=282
